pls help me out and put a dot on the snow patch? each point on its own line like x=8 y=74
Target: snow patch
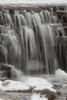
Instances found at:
x=38 y=97
x=35 y=83
x=0 y=99
x=13 y=86
x=39 y=84
x=60 y=74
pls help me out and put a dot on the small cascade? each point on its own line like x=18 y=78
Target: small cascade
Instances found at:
x=28 y=40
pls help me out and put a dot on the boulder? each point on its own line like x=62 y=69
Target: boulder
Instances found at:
x=48 y=94
x=5 y=70
x=8 y=71
x=4 y=67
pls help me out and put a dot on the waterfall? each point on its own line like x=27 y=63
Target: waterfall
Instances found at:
x=28 y=40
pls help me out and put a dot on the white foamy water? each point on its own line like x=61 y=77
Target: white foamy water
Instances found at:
x=32 y=1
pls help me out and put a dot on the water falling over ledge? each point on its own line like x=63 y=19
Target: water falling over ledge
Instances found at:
x=28 y=39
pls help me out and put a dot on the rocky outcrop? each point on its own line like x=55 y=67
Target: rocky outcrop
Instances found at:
x=48 y=94
x=9 y=71
x=5 y=70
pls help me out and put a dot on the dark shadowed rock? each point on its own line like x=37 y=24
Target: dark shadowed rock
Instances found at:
x=9 y=71
x=48 y=94
x=64 y=18
x=60 y=12
x=4 y=67
x=5 y=70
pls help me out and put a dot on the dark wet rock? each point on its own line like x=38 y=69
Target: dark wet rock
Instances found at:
x=48 y=94
x=5 y=70
x=4 y=67
x=64 y=18
x=60 y=12
x=58 y=93
x=64 y=24
x=8 y=71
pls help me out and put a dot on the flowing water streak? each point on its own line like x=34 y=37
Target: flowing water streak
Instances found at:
x=29 y=38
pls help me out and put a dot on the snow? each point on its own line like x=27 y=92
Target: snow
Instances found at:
x=45 y=87
x=60 y=74
x=37 y=97
x=39 y=84
x=10 y=85
x=32 y=1
x=34 y=82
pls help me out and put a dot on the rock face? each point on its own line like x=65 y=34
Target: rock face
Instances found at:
x=5 y=70
x=4 y=67
x=9 y=71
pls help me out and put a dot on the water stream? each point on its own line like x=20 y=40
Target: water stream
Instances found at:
x=28 y=40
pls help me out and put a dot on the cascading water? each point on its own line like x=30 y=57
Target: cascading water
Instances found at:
x=28 y=40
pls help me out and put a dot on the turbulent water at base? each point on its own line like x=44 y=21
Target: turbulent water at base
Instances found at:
x=28 y=40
